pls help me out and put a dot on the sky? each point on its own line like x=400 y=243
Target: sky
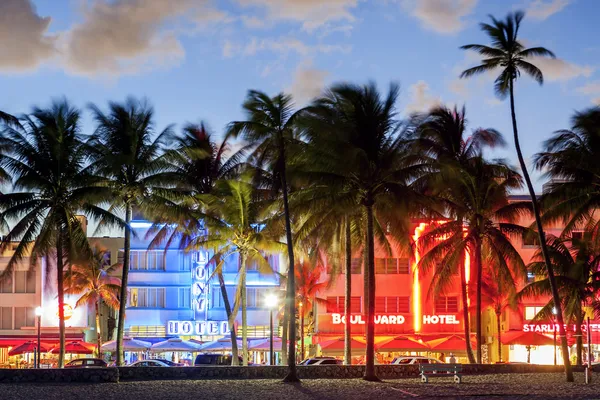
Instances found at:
x=196 y=59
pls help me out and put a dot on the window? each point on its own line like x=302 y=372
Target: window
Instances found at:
x=446 y=304
x=20 y=281
x=217 y=299
x=531 y=312
x=380 y=266
x=577 y=235
x=184 y=298
x=155 y=260
x=6 y=318
x=403 y=266
x=148 y=297
x=404 y=304
x=106 y=259
x=392 y=305
x=24 y=317
x=391 y=266
x=356 y=266
x=6 y=285
x=531 y=240
x=137 y=261
x=251 y=297
x=336 y=304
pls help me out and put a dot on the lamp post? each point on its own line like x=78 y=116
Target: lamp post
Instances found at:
x=554 y=332
x=271 y=302
x=38 y=314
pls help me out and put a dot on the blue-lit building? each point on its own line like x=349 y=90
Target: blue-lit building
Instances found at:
x=171 y=293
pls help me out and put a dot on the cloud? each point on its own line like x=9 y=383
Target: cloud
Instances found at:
x=421 y=99
x=591 y=89
x=441 y=16
x=24 y=42
x=556 y=69
x=542 y=9
x=230 y=49
x=308 y=82
x=285 y=45
x=311 y=13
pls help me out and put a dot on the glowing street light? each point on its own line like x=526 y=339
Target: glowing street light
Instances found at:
x=38 y=314
x=271 y=301
x=554 y=332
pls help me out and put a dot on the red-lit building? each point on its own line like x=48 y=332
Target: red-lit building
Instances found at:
x=404 y=305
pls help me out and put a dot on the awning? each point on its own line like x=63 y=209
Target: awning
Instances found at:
x=526 y=338
x=450 y=343
x=17 y=340
x=403 y=343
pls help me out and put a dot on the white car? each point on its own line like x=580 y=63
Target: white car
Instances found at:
x=406 y=360
x=321 y=361
x=149 y=363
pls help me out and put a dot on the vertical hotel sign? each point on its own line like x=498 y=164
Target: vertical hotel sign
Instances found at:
x=200 y=275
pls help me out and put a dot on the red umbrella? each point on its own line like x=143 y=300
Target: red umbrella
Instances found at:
x=449 y=343
x=76 y=348
x=29 y=347
x=527 y=339
x=403 y=343
x=338 y=344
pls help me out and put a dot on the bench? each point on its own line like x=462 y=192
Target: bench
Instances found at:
x=440 y=370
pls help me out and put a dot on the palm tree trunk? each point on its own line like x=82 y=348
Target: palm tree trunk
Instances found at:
x=538 y=221
x=466 y=316
x=579 y=335
x=302 y=332
x=348 y=296
x=98 y=334
x=292 y=375
x=479 y=268
x=498 y=315
x=124 y=277
x=61 y=297
x=244 y=310
x=284 y=335
x=370 y=295
x=235 y=360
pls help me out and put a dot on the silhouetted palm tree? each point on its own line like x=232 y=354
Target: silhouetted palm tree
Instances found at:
x=270 y=128
x=129 y=154
x=92 y=279
x=47 y=161
x=481 y=199
x=508 y=55
x=577 y=263
x=570 y=159
x=235 y=226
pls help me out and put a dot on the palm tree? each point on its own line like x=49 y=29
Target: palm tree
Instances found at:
x=577 y=263
x=441 y=150
x=129 y=155
x=570 y=159
x=511 y=57
x=357 y=123
x=236 y=227
x=199 y=163
x=91 y=278
x=270 y=127
x=481 y=199
x=308 y=286
x=47 y=160
x=9 y=119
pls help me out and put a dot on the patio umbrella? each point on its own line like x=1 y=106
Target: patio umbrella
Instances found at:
x=527 y=339
x=449 y=343
x=338 y=344
x=77 y=347
x=263 y=344
x=129 y=344
x=403 y=343
x=29 y=347
x=174 y=344
x=219 y=345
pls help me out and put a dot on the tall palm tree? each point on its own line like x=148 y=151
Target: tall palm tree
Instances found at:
x=270 y=127
x=308 y=286
x=129 y=154
x=441 y=149
x=47 y=161
x=509 y=55
x=570 y=159
x=577 y=263
x=363 y=146
x=199 y=163
x=487 y=219
x=9 y=119
x=93 y=280
x=236 y=227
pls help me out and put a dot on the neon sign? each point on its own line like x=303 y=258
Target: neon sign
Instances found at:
x=200 y=285
x=197 y=327
x=440 y=319
x=337 y=319
x=551 y=328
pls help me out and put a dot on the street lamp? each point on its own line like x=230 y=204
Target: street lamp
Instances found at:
x=554 y=331
x=271 y=301
x=38 y=314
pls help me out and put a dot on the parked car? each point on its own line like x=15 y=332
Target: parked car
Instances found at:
x=405 y=360
x=86 y=363
x=169 y=362
x=321 y=361
x=149 y=363
x=203 y=360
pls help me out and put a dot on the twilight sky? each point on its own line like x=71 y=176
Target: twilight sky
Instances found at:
x=195 y=59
